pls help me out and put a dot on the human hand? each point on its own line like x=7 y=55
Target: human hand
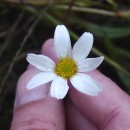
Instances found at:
x=36 y=110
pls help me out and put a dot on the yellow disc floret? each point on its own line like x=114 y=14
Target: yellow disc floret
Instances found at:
x=66 y=68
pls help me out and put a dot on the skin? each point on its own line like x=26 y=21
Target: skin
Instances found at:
x=37 y=110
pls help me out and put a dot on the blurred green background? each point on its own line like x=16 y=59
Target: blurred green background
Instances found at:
x=26 y=24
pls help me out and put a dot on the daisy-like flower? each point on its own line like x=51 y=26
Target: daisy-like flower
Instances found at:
x=71 y=66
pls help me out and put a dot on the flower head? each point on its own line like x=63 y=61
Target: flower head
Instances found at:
x=71 y=66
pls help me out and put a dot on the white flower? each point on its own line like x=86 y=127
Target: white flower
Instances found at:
x=71 y=66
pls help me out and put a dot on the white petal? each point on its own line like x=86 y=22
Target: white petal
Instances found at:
x=41 y=62
x=85 y=84
x=39 y=79
x=90 y=64
x=62 y=41
x=82 y=47
x=59 y=88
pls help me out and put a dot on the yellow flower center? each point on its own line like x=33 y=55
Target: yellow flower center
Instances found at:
x=66 y=68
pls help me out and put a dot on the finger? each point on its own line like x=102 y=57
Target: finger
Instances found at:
x=75 y=120
x=50 y=46
x=35 y=109
x=108 y=110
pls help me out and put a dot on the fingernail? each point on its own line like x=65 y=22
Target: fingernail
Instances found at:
x=23 y=95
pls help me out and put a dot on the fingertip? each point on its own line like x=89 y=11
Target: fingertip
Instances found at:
x=40 y=91
x=47 y=44
x=48 y=49
x=23 y=95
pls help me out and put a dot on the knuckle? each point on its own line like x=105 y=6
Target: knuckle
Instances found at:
x=33 y=123
x=110 y=117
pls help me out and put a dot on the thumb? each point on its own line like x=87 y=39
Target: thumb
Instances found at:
x=35 y=109
x=109 y=110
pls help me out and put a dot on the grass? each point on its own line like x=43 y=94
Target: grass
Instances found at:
x=24 y=26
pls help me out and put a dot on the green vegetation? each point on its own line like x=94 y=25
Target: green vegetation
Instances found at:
x=25 y=25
